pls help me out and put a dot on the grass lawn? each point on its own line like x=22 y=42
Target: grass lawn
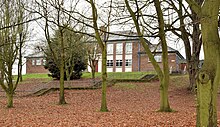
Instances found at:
x=31 y=76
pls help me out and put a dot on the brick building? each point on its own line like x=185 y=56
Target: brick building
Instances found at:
x=35 y=63
x=126 y=54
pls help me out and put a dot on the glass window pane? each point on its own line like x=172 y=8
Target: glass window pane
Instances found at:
x=119 y=48
x=128 y=48
x=38 y=62
x=109 y=48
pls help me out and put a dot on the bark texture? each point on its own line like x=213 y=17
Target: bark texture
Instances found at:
x=209 y=76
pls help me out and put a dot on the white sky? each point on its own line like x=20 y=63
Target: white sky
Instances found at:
x=37 y=34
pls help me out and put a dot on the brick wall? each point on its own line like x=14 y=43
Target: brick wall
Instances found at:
x=145 y=64
x=30 y=68
x=140 y=62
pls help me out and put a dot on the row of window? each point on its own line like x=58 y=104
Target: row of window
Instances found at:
x=38 y=61
x=119 y=48
x=119 y=63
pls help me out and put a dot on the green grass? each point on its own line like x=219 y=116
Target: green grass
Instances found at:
x=31 y=76
x=119 y=75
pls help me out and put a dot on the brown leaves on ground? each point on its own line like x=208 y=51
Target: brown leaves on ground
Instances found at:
x=130 y=105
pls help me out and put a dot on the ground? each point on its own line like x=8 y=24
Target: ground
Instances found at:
x=129 y=104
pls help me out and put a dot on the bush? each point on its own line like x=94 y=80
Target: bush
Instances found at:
x=79 y=66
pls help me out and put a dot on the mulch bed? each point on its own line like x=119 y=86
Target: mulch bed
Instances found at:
x=128 y=107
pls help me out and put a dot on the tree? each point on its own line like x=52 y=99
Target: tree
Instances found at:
x=57 y=15
x=93 y=57
x=75 y=61
x=208 y=78
x=190 y=34
x=51 y=11
x=12 y=36
x=102 y=44
x=162 y=74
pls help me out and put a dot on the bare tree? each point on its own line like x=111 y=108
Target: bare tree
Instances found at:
x=99 y=33
x=186 y=27
x=51 y=11
x=93 y=57
x=11 y=39
x=163 y=74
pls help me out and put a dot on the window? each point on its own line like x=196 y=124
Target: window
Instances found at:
x=109 y=48
x=33 y=61
x=128 y=62
x=109 y=63
x=38 y=62
x=118 y=63
x=158 y=58
x=44 y=62
x=119 y=48
x=128 y=48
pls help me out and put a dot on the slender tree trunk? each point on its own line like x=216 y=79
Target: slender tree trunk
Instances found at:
x=192 y=70
x=104 y=81
x=196 y=47
x=20 y=59
x=10 y=99
x=93 y=72
x=104 y=56
x=67 y=74
x=62 y=64
x=62 y=97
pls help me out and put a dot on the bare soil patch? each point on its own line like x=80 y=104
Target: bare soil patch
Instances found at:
x=130 y=105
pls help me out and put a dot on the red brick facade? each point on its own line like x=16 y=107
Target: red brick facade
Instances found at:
x=140 y=60
x=35 y=65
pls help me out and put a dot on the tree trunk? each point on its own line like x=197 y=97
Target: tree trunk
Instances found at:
x=192 y=70
x=164 y=103
x=62 y=97
x=62 y=64
x=209 y=76
x=10 y=99
x=104 y=81
x=196 y=47
x=93 y=72
x=206 y=101
x=67 y=74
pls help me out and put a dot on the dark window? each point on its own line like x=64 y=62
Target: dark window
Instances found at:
x=118 y=63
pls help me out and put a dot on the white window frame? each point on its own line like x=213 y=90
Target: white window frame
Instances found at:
x=128 y=48
x=44 y=62
x=110 y=48
x=119 y=48
x=128 y=62
x=119 y=63
x=38 y=62
x=33 y=61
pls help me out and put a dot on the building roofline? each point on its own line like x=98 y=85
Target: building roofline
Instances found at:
x=177 y=52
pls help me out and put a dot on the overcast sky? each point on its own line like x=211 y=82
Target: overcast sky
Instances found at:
x=37 y=35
